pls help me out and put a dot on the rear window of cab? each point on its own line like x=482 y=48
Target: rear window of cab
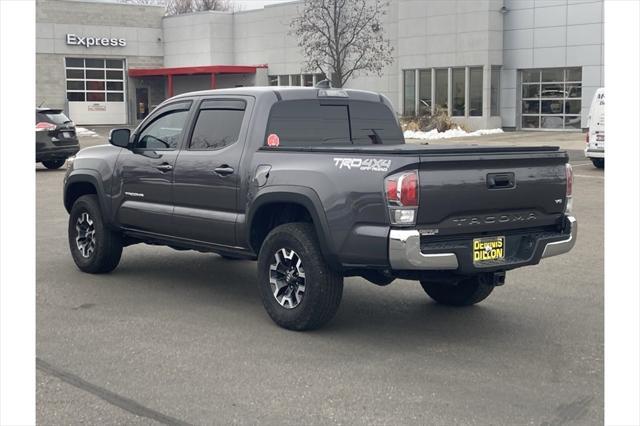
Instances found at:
x=312 y=122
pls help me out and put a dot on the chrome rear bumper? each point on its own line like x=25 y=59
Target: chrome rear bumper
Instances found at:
x=405 y=253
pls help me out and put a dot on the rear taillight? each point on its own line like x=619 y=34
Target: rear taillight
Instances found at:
x=569 y=191
x=402 y=192
x=44 y=126
x=586 y=139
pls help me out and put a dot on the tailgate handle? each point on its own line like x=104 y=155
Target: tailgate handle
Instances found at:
x=501 y=180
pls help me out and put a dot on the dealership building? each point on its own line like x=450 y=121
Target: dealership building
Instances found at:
x=515 y=64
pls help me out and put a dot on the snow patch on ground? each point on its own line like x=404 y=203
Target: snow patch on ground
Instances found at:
x=447 y=134
x=81 y=131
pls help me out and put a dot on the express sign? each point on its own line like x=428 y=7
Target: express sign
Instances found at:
x=75 y=40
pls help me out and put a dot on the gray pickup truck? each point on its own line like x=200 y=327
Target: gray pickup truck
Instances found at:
x=317 y=184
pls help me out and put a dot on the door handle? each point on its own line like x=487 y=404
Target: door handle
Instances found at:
x=164 y=167
x=223 y=170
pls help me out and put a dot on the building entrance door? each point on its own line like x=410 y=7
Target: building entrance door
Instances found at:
x=142 y=102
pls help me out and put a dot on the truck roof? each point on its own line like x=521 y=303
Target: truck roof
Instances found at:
x=286 y=93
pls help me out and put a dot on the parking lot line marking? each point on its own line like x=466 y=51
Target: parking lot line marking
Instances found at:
x=590 y=177
x=110 y=397
x=582 y=164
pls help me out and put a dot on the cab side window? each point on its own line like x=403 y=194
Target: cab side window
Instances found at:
x=165 y=131
x=218 y=124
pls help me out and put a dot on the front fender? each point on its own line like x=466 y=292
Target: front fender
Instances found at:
x=92 y=177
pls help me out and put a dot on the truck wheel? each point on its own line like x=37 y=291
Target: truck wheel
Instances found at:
x=466 y=292
x=94 y=247
x=297 y=288
x=598 y=162
x=53 y=164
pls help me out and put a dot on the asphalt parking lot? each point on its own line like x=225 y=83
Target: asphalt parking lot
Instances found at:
x=182 y=337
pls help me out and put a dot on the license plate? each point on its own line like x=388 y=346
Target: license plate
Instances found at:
x=66 y=135
x=488 y=249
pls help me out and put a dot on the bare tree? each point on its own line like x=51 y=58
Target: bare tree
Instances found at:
x=178 y=7
x=146 y=2
x=343 y=37
x=203 y=5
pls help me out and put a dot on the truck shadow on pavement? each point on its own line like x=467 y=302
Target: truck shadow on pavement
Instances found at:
x=401 y=312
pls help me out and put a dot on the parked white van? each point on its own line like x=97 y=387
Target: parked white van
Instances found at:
x=595 y=133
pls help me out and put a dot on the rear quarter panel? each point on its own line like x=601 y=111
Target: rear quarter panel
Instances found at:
x=351 y=198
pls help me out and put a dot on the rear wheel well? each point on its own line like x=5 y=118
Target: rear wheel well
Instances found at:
x=77 y=190
x=271 y=215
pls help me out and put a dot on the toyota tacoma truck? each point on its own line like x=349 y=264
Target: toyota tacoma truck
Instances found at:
x=317 y=184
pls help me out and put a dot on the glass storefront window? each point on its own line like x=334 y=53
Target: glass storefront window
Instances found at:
x=573 y=74
x=442 y=88
x=95 y=74
x=475 y=91
x=295 y=80
x=74 y=62
x=424 y=91
x=529 y=76
x=409 y=107
x=94 y=63
x=495 y=91
x=457 y=92
x=273 y=80
x=307 y=80
x=553 y=74
x=551 y=98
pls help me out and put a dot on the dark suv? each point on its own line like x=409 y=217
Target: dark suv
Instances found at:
x=56 y=138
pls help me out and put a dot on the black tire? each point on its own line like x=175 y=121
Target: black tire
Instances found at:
x=466 y=292
x=598 y=162
x=53 y=164
x=322 y=286
x=107 y=245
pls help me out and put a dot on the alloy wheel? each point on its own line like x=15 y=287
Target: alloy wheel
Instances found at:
x=85 y=235
x=287 y=278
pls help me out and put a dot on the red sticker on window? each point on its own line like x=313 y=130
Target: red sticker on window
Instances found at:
x=273 y=140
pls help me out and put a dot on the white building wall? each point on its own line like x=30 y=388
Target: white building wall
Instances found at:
x=204 y=38
x=549 y=34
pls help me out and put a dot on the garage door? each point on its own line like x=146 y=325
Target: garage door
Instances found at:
x=551 y=98
x=96 y=90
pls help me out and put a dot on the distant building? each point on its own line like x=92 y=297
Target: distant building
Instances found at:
x=518 y=64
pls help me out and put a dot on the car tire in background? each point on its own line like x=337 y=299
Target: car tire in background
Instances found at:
x=94 y=247
x=53 y=164
x=290 y=260
x=465 y=292
x=598 y=162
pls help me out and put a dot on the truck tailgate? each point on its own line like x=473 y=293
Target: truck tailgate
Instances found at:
x=483 y=192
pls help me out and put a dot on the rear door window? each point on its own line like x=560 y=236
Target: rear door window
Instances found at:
x=218 y=124
x=313 y=122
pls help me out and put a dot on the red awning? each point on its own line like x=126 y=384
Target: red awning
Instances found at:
x=207 y=69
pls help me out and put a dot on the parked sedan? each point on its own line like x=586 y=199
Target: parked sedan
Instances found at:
x=56 y=138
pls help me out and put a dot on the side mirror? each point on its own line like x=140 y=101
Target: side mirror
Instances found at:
x=120 y=137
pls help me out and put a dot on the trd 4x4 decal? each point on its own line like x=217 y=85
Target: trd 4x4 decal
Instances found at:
x=363 y=164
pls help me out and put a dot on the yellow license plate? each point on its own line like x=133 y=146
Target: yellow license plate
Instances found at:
x=488 y=249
